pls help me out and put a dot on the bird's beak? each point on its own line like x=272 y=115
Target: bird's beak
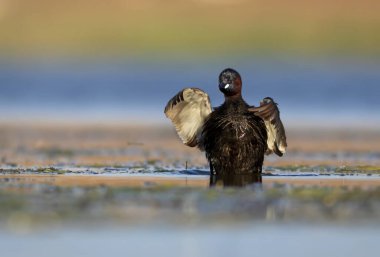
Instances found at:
x=225 y=87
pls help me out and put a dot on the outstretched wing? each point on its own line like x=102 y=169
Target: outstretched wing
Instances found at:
x=188 y=111
x=269 y=112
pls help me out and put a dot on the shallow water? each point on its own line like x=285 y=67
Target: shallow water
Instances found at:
x=249 y=240
x=331 y=91
x=138 y=210
x=136 y=190
x=277 y=217
x=165 y=199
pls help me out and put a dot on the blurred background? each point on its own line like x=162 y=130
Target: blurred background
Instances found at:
x=91 y=64
x=122 y=60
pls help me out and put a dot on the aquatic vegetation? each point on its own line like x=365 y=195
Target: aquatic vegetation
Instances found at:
x=283 y=203
x=367 y=169
x=324 y=169
x=105 y=179
x=52 y=170
x=157 y=167
x=56 y=152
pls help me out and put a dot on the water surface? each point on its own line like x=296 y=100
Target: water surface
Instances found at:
x=311 y=91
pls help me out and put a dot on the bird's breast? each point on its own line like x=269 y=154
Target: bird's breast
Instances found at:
x=234 y=128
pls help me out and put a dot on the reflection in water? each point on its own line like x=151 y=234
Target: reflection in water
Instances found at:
x=235 y=180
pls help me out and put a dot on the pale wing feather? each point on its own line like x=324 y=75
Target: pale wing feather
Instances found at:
x=270 y=114
x=188 y=111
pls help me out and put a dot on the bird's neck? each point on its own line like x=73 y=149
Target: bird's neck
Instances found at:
x=233 y=98
x=234 y=104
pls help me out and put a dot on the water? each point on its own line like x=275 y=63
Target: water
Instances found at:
x=238 y=241
x=179 y=221
x=175 y=221
x=329 y=91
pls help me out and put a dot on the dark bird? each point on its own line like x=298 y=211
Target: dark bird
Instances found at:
x=235 y=135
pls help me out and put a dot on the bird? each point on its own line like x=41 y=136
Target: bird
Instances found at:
x=235 y=136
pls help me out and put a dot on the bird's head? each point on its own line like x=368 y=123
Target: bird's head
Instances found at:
x=230 y=82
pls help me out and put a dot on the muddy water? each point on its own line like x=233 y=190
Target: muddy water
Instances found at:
x=96 y=191
x=178 y=215
x=42 y=200
x=174 y=215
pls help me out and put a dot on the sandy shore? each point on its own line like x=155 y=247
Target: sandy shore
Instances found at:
x=362 y=182
x=31 y=145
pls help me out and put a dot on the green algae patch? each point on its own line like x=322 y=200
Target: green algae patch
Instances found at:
x=40 y=170
x=52 y=170
x=366 y=169
x=57 y=152
x=325 y=169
